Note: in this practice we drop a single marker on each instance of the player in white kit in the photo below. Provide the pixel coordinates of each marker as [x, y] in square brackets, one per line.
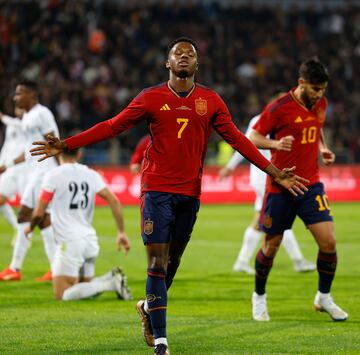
[252, 234]
[71, 188]
[12, 181]
[36, 123]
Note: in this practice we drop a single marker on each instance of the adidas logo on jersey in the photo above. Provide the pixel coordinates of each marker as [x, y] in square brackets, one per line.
[165, 108]
[298, 120]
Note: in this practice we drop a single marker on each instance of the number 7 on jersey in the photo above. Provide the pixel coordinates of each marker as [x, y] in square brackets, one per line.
[184, 122]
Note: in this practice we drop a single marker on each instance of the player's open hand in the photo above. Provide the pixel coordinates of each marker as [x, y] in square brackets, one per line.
[123, 242]
[293, 183]
[2, 169]
[49, 148]
[328, 157]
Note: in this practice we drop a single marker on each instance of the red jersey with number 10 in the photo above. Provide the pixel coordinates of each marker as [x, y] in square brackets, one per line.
[287, 116]
[180, 128]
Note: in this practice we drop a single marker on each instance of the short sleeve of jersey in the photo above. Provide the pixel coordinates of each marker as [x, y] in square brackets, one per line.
[49, 182]
[266, 123]
[47, 122]
[98, 181]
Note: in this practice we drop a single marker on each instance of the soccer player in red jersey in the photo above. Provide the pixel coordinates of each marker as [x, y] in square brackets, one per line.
[299, 114]
[138, 155]
[180, 115]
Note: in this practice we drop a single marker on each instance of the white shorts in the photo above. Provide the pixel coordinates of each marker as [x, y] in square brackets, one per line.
[13, 181]
[74, 255]
[32, 191]
[259, 192]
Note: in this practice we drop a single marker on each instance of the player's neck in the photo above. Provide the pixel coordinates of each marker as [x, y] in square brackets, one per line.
[297, 94]
[31, 105]
[181, 84]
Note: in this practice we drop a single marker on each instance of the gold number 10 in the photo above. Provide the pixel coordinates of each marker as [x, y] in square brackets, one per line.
[308, 135]
[323, 202]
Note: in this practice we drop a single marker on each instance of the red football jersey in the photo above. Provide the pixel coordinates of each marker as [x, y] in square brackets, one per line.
[179, 129]
[287, 116]
[138, 154]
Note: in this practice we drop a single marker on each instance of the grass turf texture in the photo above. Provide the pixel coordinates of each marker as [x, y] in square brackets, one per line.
[209, 308]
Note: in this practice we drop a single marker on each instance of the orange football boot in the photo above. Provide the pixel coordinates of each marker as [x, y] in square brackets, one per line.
[10, 275]
[46, 277]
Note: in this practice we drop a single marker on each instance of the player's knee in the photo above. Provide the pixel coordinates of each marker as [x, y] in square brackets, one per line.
[60, 295]
[328, 246]
[271, 247]
[159, 263]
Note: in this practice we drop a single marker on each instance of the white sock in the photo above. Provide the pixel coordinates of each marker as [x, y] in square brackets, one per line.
[21, 247]
[161, 341]
[88, 289]
[47, 234]
[291, 245]
[105, 277]
[9, 215]
[250, 241]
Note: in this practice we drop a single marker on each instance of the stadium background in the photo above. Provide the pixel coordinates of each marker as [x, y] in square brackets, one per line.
[92, 57]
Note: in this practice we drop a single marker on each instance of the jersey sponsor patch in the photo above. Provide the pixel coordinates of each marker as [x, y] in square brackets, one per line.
[201, 106]
[184, 108]
[148, 226]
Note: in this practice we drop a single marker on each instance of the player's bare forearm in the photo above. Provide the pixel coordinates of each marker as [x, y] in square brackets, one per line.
[261, 141]
[35, 221]
[287, 179]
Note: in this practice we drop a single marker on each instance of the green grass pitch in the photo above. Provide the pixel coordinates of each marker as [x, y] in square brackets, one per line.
[209, 309]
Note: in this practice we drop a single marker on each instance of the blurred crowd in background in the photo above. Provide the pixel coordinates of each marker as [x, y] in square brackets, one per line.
[90, 58]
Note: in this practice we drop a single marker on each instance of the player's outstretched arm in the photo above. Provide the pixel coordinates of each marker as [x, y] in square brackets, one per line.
[287, 179]
[49, 148]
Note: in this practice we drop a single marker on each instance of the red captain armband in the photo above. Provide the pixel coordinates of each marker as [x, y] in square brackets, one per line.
[46, 196]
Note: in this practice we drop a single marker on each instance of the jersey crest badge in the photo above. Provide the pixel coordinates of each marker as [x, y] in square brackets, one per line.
[148, 227]
[267, 221]
[298, 119]
[201, 106]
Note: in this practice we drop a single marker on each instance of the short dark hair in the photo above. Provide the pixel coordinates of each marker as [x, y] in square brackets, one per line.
[181, 39]
[313, 71]
[30, 85]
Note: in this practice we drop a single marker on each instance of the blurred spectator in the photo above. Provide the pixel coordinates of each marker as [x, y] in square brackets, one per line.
[92, 57]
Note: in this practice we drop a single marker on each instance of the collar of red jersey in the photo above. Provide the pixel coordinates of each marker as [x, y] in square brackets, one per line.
[177, 95]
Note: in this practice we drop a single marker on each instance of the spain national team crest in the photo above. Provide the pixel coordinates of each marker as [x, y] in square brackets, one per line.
[148, 227]
[201, 106]
[267, 221]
